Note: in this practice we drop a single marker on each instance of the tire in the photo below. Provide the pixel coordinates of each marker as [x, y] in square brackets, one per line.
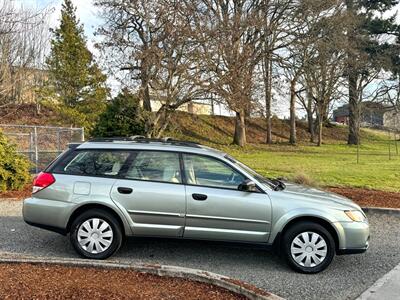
[308, 247]
[96, 234]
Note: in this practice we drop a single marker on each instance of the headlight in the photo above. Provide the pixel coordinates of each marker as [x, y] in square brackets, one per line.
[355, 215]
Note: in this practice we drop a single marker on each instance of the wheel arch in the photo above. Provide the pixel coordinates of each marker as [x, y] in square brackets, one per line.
[327, 224]
[89, 206]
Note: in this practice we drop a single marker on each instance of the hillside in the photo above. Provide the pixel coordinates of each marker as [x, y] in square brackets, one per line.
[26, 114]
[217, 130]
[220, 129]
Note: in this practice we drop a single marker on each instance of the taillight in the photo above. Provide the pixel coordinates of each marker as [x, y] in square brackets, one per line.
[42, 181]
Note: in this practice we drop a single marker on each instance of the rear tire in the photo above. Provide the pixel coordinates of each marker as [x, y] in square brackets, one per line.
[308, 247]
[96, 234]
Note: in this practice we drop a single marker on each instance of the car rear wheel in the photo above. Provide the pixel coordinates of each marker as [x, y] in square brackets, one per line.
[308, 247]
[96, 234]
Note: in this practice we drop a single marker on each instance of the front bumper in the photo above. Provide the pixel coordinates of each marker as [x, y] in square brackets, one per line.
[47, 214]
[353, 237]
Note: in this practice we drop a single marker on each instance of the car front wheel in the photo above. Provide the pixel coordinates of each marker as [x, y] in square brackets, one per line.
[308, 247]
[96, 234]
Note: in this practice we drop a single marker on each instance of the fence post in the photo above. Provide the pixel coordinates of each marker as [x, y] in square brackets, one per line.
[58, 141]
[31, 146]
[36, 149]
[82, 134]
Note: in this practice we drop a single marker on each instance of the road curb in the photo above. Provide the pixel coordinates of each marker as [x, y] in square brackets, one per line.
[370, 292]
[382, 210]
[233, 285]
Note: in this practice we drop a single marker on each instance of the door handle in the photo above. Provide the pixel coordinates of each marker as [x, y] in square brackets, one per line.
[199, 197]
[124, 190]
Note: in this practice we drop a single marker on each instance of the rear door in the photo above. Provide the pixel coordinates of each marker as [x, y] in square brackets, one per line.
[152, 192]
[216, 209]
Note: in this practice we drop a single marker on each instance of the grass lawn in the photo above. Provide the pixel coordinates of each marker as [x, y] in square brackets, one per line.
[331, 165]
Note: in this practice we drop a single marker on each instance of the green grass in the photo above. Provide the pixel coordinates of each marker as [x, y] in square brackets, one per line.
[332, 164]
[329, 165]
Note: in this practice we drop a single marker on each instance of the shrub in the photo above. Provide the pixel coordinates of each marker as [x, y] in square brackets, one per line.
[121, 117]
[303, 179]
[14, 168]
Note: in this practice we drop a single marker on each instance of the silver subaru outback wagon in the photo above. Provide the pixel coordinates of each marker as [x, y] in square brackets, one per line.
[103, 190]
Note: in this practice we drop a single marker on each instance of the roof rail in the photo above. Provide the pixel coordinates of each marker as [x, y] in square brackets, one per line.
[143, 139]
[136, 137]
[73, 145]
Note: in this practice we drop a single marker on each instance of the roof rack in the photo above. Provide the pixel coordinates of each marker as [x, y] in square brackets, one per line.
[143, 139]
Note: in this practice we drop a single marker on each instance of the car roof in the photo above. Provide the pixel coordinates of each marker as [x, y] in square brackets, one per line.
[156, 145]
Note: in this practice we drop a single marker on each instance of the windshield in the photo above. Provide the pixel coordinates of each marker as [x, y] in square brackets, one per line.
[267, 182]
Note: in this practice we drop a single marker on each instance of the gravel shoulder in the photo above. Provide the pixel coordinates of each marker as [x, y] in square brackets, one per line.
[10, 208]
[346, 278]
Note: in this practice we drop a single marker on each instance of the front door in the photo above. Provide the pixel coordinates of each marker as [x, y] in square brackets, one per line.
[216, 209]
[153, 194]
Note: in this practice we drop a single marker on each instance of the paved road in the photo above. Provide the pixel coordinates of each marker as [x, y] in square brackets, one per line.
[346, 278]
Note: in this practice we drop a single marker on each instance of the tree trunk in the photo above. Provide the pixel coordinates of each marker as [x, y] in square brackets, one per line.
[310, 119]
[319, 143]
[292, 138]
[268, 97]
[354, 111]
[354, 105]
[319, 124]
[144, 92]
[240, 130]
[152, 123]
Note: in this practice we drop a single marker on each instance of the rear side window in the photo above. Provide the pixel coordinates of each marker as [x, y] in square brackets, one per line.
[155, 166]
[93, 163]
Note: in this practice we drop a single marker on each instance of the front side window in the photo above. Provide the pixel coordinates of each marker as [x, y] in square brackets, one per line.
[93, 163]
[207, 171]
[155, 166]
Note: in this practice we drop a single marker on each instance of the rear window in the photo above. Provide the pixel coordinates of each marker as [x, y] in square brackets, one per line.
[155, 166]
[93, 163]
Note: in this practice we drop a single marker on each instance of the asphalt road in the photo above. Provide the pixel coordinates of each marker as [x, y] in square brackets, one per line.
[346, 278]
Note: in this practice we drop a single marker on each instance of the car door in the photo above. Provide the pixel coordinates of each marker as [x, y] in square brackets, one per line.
[216, 209]
[151, 191]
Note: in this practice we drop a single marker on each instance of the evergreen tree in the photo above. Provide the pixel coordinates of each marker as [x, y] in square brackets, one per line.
[75, 80]
[366, 53]
[121, 117]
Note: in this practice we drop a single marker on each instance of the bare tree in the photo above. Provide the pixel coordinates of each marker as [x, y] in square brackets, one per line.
[278, 27]
[23, 42]
[229, 37]
[148, 40]
[323, 58]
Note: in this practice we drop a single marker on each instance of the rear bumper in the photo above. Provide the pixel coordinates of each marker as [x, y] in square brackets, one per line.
[47, 214]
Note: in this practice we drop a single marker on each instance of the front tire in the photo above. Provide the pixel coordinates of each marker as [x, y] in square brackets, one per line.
[96, 234]
[308, 247]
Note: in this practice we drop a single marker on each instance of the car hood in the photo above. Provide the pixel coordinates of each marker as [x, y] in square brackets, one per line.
[319, 196]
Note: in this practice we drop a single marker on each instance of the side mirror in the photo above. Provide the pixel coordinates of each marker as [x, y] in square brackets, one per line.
[247, 186]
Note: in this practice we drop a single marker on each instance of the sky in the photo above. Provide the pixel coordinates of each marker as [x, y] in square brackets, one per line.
[88, 14]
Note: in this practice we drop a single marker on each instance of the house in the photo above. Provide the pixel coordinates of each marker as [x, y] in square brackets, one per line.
[391, 119]
[198, 108]
[19, 84]
[372, 114]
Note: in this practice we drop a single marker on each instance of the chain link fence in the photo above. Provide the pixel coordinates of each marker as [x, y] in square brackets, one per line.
[41, 144]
